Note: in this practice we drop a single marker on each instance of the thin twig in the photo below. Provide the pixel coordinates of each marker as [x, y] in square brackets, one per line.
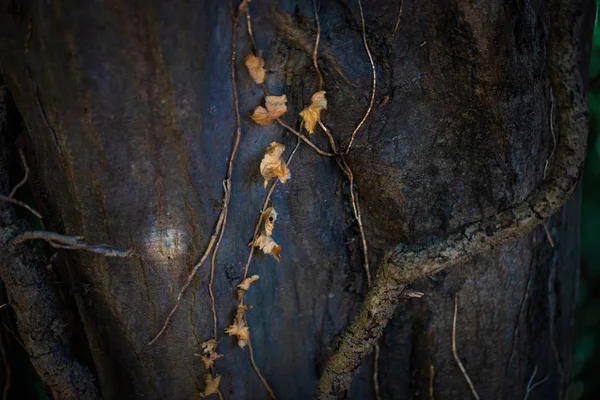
[20, 203]
[26, 167]
[521, 309]
[297, 37]
[213, 259]
[249, 27]
[431, 380]
[531, 385]
[551, 316]
[398, 19]
[354, 199]
[260, 376]
[376, 373]
[4, 305]
[211, 243]
[219, 394]
[304, 138]
[374, 84]
[460, 364]
[316, 49]
[357, 215]
[329, 136]
[227, 181]
[548, 235]
[71, 242]
[553, 134]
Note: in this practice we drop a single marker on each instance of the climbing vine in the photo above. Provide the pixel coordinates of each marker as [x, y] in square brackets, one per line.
[404, 264]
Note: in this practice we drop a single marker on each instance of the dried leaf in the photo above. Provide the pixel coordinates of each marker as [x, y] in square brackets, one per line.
[211, 385]
[268, 245]
[312, 113]
[255, 67]
[243, 6]
[272, 165]
[275, 108]
[245, 285]
[209, 353]
[269, 216]
[239, 328]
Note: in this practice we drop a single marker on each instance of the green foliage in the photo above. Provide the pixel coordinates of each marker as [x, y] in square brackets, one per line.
[586, 352]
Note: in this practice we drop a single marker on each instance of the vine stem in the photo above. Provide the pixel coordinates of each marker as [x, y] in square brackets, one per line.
[316, 48]
[374, 83]
[217, 235]
[455, 354]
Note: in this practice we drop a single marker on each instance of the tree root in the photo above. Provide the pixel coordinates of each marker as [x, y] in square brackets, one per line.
[405, 264]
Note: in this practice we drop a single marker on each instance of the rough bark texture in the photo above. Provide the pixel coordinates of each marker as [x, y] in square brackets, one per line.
[42, 323]
[130, 118]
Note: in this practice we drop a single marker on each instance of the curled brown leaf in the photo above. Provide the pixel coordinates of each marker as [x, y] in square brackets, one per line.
[239, 328]
[255, 67]
[274, 108]
[245, 285]
[269, 216]
[272, 165]
[209, 353]
[312, 113]
[268, 245]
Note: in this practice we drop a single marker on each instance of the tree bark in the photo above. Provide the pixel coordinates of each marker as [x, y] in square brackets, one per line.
[130, 122]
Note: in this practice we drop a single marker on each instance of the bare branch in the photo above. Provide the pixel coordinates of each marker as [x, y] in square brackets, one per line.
[71, 242]
[20, 203]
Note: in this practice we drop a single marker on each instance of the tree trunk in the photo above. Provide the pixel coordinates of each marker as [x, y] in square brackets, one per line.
[130, 120]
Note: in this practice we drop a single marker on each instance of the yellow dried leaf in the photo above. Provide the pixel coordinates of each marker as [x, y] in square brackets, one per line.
[268, 245]
[312, 113]
[269, 216]
[275, 108]
[211, 385]
[243, 7]
[209, 353]
[272, 165]
[255, 67]
[239, 328]
[245, 285]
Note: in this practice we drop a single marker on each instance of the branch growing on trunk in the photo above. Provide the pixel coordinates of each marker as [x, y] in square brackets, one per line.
[404, 264]
[36, 305]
